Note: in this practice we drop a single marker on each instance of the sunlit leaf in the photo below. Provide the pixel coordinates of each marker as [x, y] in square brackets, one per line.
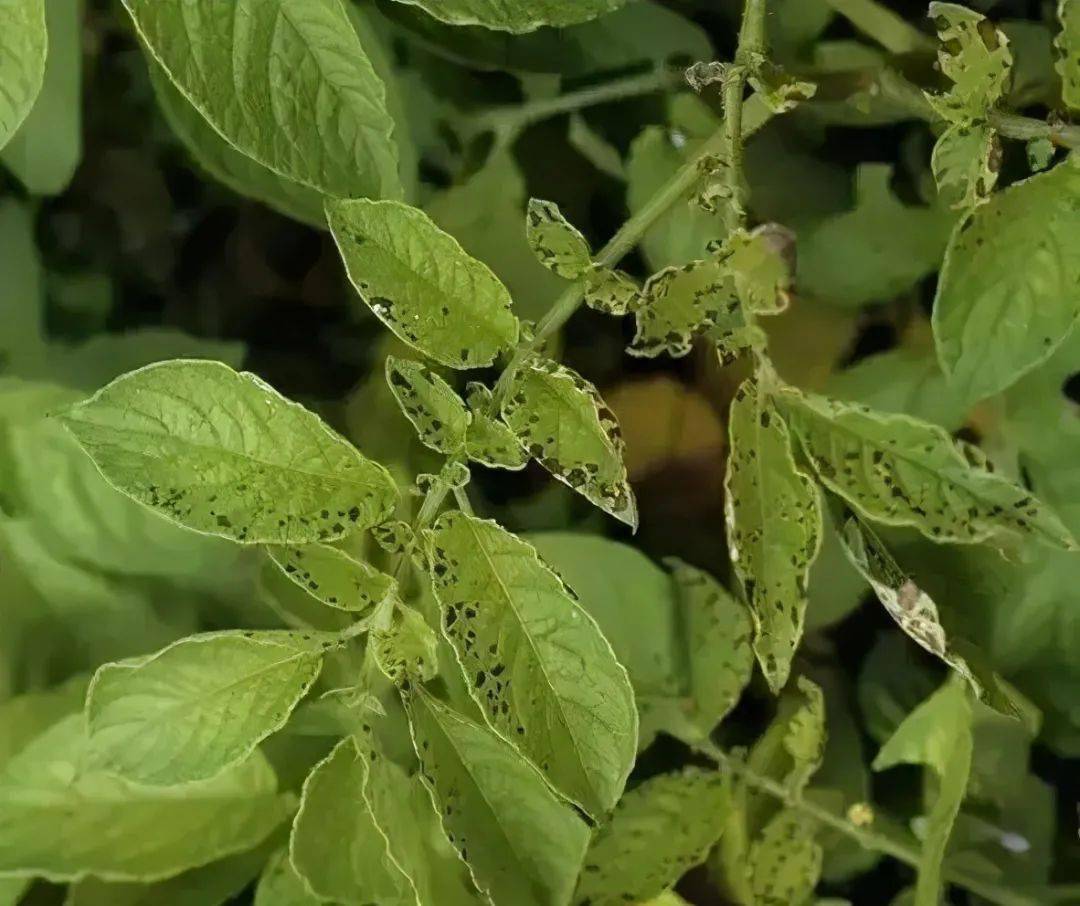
[489, 440]
[975, 57]
[434, 408]
[557, 244]
[332, 576]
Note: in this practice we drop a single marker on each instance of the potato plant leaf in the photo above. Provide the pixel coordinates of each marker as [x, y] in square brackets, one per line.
[280, 885]
[975, 57]
[761, 264]
[199, 706]
[805, 735]
[421, 283]
[522, 844]
[245, 66]
[611, 291]
[432, 405]
[489, 440]
[23, 43]
[785, 860]
[966, 161]
[515, 15]
[333, 577]
[406, 650]
[557, 244]
[1067, 44]
[773, 522]
[1009, 291]
[223, 453]
[564, 424]
[537, 664]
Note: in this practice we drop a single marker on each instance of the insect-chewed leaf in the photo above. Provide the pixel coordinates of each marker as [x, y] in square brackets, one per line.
[901, 471]
[521, 843]
[610, 291]
[543, 674]
[718, 631]
[516, 15]
[489, 440]
[336, 846]
[394, 537]
[1068, 47]
[244, 65]
[62, 820]
[659, 831]
[432, 405]
[422, 284]
[557, 243]
[223, 453]
[406, 650]
[1009, 291]
[680, 303]
[22, 61]
[198, 706]
[762, 266]
[564, 424]
[966, 161]
[330, 575]
[804, 738]
[975, 56]
[785, 860]
[773, 525]
[780, 90]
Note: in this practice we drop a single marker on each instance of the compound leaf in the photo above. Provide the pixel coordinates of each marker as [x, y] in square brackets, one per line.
[785, 860]
[975, 57]
[537, 664]
[515, 15]
[557, 244]
[521, 843]
[773, 526]
[223, 453]
[23, 42]
[489, 440]
[1009, 291]
[198, 706]
[563, 423]
[286, 83]
[432, 405]
[421, 283]
[330, 575]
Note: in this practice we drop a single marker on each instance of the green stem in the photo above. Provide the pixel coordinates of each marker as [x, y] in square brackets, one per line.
[434, 498]
[892, 32]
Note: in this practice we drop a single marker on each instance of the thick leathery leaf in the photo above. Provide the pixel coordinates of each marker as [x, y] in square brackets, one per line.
[332, 576]
[23, 43]
[285, 82]
[516, 15]
[564, 424]
[557, 244]
[421, 283]
[1068, 47]
[966, 161]
[198, 706]
[762, 265]
[63, 821]
[900, 471]
[521, 843]
[489, 440]
[432, 405]
[785, 860]
[223, 453]
[774, 528]
[537, 664]
[1009, 291]
[658, 831]
[975, 57]
[610, 291]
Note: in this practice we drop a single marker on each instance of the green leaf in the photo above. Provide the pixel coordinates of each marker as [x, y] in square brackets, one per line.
[966, 161]
[336, 847]
[434, 408]
[515, 15]
[223, 453]
[26, 716]
[659, 831]
[899, 471]
[610, 291]
[681, 303]
[975, 56]
[199, 706]
[774, 527]
[489, 441]
[406, 649]
[761, 263]
[422, 284]
[537, 664]
[246, 66]
[563, 423]
[938, 734]
[522, 844]
[1067, 43]
[1009, 291]
[23, 42]
[785, 860]
[333, 577]
[280, 885]
[557, 244]
[63, 821]
[46, 149]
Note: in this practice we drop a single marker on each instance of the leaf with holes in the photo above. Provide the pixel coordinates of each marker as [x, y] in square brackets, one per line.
[332, 576]
[489, 440]
[23, 44]
[975, 57]
[761, 263]
[966, 161]
[432, 405]
[557, 244]
[406, 649]
[537, 664]
[610, 291]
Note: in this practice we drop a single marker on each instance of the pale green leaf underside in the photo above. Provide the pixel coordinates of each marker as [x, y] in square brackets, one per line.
[61, 821]
[1009, 291]
[489, 440]
[421, 283]
[285, 82]
[760, 263]
[23, 43]
[536, 663]
[564, 424]
[515, 15]
[198, 706]
[432, 405]
[223, 453]
[557, 244]
[773, 526]
[521, 843]
[900, 471]
[785, 861]
[1068, 45]
[658, 831]
[332, 576]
